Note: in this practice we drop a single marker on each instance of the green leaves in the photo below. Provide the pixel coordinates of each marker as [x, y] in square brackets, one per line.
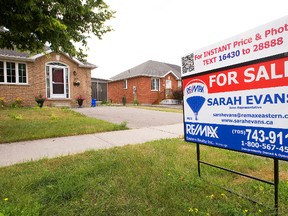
[30, 25]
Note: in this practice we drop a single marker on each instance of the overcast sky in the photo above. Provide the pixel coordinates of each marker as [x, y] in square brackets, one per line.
[166, 30]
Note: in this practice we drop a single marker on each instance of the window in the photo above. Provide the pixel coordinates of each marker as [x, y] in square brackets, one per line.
[179, 83]
[22, 73]
[11, 72]
[125, 86]
[155, 84]
[11, 75]
[1, 71]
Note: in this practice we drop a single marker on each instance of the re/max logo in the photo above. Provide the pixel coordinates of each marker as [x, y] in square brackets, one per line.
[195, 88]
[200, 130]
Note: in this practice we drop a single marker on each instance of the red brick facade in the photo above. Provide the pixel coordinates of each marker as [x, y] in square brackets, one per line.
[36, 84]
[144, 94]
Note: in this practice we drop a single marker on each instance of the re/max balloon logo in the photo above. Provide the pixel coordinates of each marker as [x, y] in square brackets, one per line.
[195, 94]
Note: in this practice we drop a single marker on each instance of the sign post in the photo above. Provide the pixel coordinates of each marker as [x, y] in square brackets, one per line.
[235, 94]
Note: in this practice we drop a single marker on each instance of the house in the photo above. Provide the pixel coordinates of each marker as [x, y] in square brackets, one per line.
[99, 89]
[58, 77]
[148, 83]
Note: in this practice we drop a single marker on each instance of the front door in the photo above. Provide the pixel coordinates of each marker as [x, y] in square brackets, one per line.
[168, 88]
[58, 83]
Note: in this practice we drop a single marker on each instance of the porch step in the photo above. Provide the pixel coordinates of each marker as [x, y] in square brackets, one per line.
[169, 102]
[61, 104]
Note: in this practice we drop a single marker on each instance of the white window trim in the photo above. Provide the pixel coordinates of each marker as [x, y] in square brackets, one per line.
[125, 86]
[156, 90]
[179, 83]
[16, 73]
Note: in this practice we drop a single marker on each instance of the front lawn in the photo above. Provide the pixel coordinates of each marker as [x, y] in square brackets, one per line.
[21, 124]
[155, 178]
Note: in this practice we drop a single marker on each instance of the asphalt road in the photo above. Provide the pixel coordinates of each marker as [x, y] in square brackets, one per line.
[135, 118]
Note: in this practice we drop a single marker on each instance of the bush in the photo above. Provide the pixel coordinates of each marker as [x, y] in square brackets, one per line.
[178, 95]
[105, 102]
[136, 102]
[17, 102]
[124, 101]
[2, 102]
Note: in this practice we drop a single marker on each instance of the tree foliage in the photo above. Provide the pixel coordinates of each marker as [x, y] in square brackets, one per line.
[30, 25]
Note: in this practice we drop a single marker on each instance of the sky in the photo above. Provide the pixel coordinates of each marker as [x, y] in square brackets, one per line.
[166, 30]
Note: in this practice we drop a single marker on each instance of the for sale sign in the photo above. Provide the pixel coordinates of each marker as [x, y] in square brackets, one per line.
[264, 41]
[242, 108]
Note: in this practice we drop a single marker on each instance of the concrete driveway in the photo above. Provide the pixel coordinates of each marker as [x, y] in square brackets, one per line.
[135, 117]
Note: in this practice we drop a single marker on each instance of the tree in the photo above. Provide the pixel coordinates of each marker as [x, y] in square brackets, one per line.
[30, 25]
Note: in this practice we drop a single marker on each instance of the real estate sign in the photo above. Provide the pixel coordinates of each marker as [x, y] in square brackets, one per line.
[236, 92]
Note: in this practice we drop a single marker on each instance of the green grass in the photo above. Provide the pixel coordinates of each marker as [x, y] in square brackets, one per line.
[155, 178]
[34, 123]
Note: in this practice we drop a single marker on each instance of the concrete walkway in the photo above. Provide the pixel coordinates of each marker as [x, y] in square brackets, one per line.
[13, 153]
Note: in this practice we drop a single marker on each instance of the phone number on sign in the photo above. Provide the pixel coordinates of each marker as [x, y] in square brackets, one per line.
[264, 146]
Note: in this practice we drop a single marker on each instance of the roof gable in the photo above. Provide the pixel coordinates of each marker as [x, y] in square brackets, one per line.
[151, 69]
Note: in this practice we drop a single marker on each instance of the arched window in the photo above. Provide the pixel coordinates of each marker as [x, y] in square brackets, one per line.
[57, 80]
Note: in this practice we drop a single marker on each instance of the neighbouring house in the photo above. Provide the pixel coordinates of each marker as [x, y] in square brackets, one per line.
[148, 83]
[56, 76]
[99, 89]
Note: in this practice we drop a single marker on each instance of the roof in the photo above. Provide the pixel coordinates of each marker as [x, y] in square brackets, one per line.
[28, 57]
[95, 79]
[151, 69]
[14, 53]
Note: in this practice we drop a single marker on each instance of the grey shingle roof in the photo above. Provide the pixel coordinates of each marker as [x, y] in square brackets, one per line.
[14, 53]
[151, 69]
[27, 56]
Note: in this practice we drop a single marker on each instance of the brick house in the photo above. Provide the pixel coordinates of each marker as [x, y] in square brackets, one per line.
[59, 77]
[148, 83]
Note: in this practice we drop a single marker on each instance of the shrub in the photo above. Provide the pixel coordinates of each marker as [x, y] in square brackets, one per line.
[17, 102]
[136, 102]
[2, 102]
[105, 102]
[178, 95]
[124, 101]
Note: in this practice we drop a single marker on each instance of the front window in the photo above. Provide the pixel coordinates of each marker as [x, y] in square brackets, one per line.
[179, 83]
[57, 80]
[12, 72]
[155, 84]
[11, 75]
[22, 73]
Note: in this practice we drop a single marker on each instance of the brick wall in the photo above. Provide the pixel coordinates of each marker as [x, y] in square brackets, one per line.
[144, 95]
[37, 83]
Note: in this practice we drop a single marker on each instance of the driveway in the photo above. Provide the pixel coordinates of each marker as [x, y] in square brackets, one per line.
[135, 117]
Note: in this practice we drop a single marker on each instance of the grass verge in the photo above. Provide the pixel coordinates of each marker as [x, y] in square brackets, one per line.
[155, 178]
[34, 123]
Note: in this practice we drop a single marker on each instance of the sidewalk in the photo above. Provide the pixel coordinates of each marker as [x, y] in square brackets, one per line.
[48, 148]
